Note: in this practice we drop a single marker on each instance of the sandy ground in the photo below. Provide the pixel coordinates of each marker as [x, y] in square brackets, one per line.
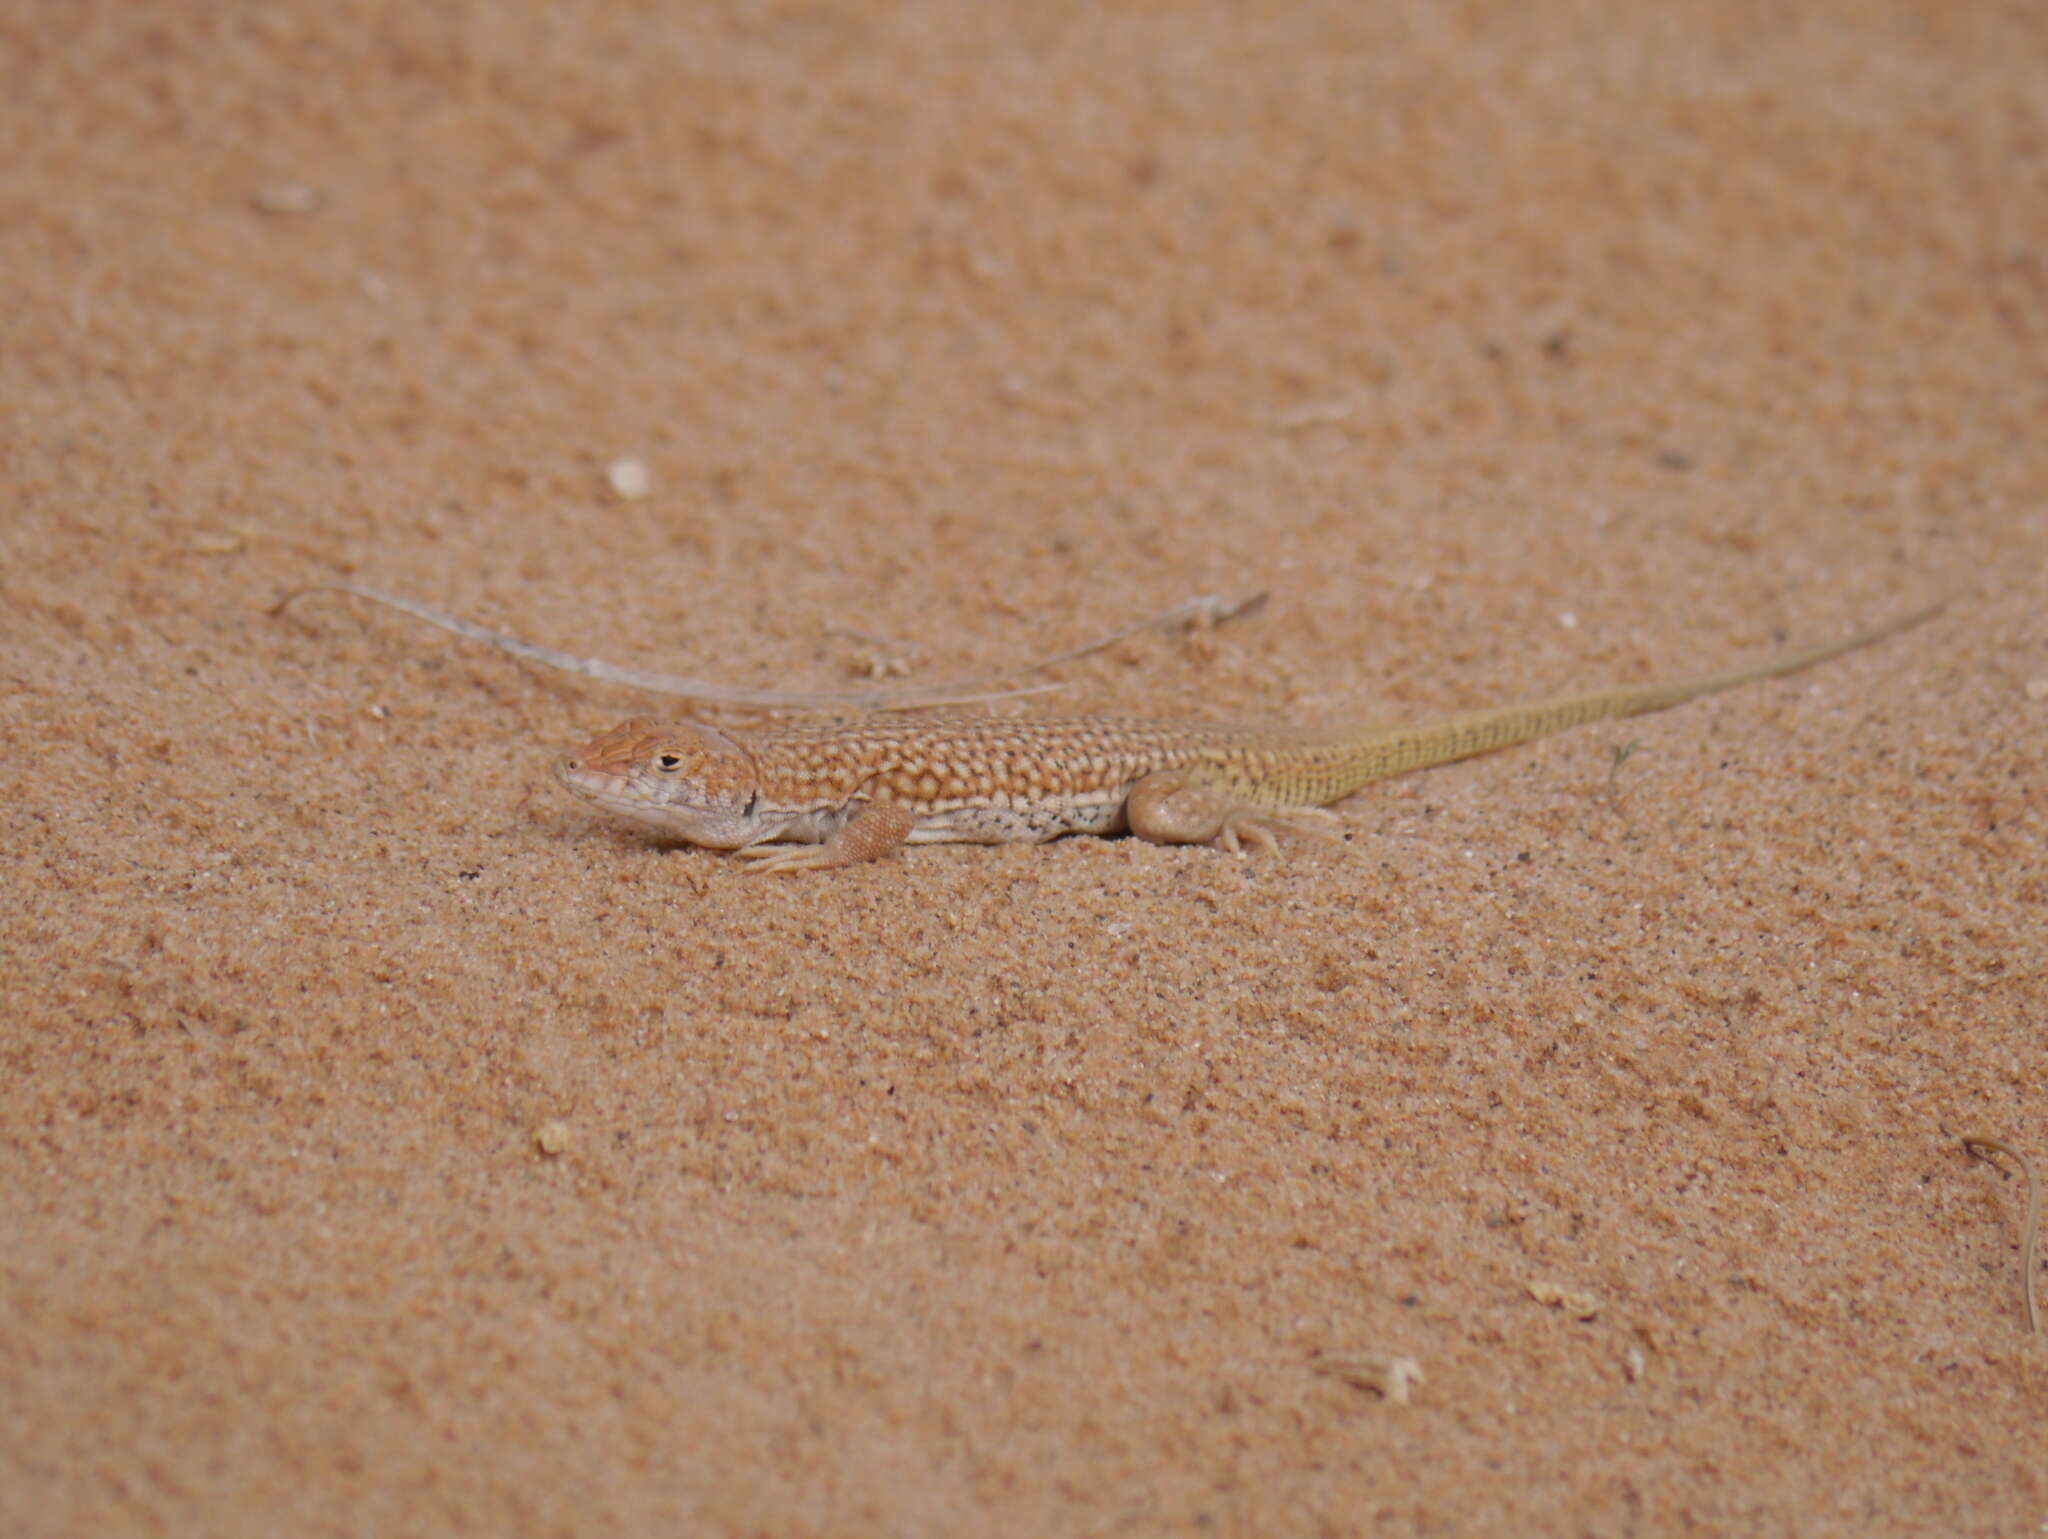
[1510, 348]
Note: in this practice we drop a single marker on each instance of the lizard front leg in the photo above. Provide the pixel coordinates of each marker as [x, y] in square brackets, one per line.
[869, 834]
[1178, 806]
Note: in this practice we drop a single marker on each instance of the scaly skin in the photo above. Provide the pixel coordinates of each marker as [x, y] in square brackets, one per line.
[811, 797]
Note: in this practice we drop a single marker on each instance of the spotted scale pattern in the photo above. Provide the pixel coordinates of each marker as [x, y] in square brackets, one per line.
[951, 764]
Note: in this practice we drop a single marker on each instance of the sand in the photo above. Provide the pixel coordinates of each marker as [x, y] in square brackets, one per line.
[391, 1145]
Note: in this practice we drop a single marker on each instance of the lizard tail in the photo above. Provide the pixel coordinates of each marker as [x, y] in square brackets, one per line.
[1356, 760]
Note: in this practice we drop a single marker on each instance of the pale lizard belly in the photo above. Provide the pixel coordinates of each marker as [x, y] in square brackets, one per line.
[1017, 823]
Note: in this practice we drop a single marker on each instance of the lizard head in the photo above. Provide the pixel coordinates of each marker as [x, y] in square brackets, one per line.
[686, 779]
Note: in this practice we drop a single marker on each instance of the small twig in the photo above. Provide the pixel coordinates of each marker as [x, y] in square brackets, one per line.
[666, 683]
[1385, 1374]
[1205, 608]
[2030, 1229]
[1209, 609]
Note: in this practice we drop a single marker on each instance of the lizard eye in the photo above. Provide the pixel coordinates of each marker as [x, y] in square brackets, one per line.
[668, 763]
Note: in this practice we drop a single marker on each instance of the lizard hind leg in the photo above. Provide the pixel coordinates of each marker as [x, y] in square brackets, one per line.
[1179, 807]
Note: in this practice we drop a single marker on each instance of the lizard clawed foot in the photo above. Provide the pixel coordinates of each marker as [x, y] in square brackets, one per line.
[871, 833]
[761, 858]
[1256, 826]
[1178, 807]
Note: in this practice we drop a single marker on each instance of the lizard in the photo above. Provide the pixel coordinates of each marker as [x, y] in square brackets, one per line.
[807, 797]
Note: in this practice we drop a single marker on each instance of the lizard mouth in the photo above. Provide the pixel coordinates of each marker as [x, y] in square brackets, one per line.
[593, 783]
[577, 776]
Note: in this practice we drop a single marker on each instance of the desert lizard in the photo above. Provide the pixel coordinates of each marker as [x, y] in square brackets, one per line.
[798, 798]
